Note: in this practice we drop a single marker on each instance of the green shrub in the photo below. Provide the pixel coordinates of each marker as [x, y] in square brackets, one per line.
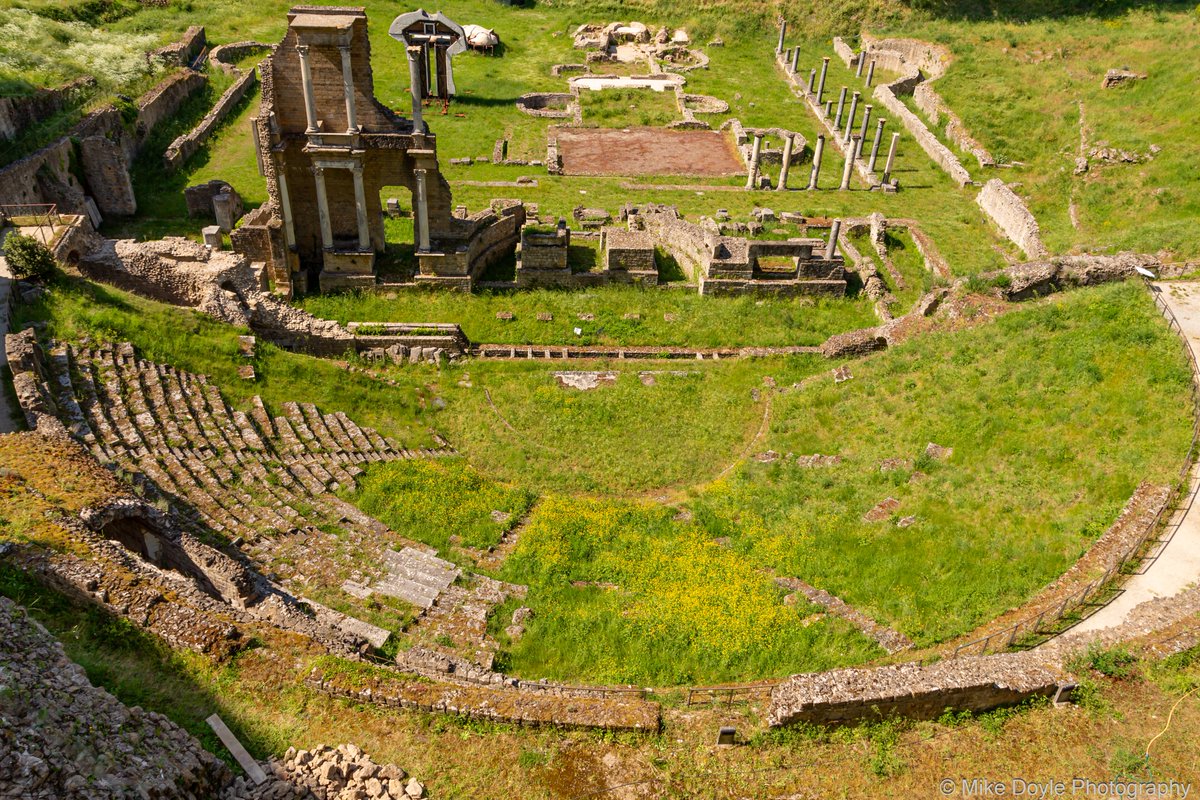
[28, 258]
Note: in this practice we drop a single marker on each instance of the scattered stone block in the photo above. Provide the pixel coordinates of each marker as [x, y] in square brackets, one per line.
[246, 346]
[545, 316]
[937, 452]
[1120, 77]
[587, 317]
[584, 380]
[670, 317]
[768, 457]
[506, 316]
[842, 374]
[882, 510]
[893, 464]
[246, 372]
[906, 522]
[393, 207]
[212, 236]
[632, 316]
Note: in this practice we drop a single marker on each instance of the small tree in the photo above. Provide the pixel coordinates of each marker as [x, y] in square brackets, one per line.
[28, 259]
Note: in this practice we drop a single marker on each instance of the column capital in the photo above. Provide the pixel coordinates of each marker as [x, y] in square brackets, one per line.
[302, 49]
[356, 167]
[317, 170]
[345, 48]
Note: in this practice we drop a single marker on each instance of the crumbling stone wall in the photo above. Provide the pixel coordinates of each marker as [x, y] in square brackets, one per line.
[1009, 212]
[106, 168]
[186, 50]
[18, 114]
[61, 737]
[886, 95]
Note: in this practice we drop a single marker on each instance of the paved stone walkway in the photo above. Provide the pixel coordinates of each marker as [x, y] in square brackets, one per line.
[1178, 565]
[8, 414]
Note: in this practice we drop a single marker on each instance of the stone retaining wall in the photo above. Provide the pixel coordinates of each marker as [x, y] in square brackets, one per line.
[185, 51]
[1005, 208]
[1120, 543]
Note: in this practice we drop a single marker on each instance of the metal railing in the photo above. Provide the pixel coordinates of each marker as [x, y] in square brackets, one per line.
[43, 216]
[1007, 636]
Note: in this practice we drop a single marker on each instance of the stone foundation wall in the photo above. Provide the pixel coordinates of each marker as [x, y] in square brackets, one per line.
[844, 51]
[1005, 208]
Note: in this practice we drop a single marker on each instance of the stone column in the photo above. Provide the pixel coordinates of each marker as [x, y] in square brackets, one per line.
[285, 204]
[795, 60]
[787, 162]
[348, 88]
[821, 82]
[835, 229]
[862, 131]
[891, 159]
[849, 166]
[752, 178]
[360, 208]
[816, 167]
[875, 145]
[422, 209]
[812, 79]
[415, 54]
[870, 72]
[862, 56]
[323, 208]
[850, 121]
[310, 101]
[837, 120]
[828, 108]
[782, 34]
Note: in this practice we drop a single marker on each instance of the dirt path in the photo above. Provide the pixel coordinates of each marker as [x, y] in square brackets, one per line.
[1178, 564]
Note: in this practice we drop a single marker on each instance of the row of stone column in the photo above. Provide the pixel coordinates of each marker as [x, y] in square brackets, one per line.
[853, 151]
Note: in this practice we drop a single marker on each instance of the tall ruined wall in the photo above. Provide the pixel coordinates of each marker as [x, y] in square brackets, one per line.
[186, 50]
[690, 245]
[1004, 207]
[106, 169]
[55, 173]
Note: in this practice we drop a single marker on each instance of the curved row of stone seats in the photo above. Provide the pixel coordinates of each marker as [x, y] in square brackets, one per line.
[242, 475]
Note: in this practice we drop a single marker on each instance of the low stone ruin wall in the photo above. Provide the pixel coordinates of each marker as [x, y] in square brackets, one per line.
[226, 56]
[1037, 278]
[164, 100]
[929, 58]
[932, 104]
[395, 690]
[185, 146]
[844, 51]
[184, 52]
[1011, 215]
[886, 95]
[914, 691]
[62, 737]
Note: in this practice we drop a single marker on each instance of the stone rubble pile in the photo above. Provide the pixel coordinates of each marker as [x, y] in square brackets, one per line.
[344, 772]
